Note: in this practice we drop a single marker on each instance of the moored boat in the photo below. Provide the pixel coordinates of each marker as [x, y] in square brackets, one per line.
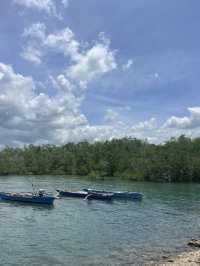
[118, 194]
[85, 194]
[99, 196]
[40, 197]
[73, 194]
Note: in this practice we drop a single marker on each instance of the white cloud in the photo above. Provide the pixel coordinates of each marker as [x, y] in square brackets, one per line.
[111, 116]
[32, 51]
[145, 125]
[127, 65]
[64, 42]
[39, 43]
[186, 122]
[65, 3]
[92, 64]
[36, 31]
[32, 54]
[63, 83]
[84, 66]
[30, 117]
[47, 6]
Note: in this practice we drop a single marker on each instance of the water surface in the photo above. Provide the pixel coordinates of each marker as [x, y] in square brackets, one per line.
[77, 232]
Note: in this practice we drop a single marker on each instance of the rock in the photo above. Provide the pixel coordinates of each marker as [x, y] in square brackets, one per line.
[194, 243]
[170, 260]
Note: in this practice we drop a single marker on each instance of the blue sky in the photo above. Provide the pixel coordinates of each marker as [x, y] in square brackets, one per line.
[94, 70]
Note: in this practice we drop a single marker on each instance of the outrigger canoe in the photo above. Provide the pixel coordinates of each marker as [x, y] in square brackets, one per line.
[40, 197]
[118, 194]
[73, 194]
[85, 194]
[99, 196]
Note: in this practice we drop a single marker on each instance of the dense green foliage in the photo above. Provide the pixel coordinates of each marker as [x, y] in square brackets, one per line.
[175, 161]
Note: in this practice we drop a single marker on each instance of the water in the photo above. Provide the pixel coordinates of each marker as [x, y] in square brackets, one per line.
[77, 232]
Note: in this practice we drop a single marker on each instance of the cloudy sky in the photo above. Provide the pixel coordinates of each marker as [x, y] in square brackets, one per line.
[74, 70]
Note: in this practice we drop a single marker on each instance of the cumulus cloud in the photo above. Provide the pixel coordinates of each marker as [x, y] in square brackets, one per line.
[30, 116]
[113, 119]
[47, 6]
[32, 54]
[92, 64]
[32, 51]
[145, 125]
[111, 116]
[63, 41]
[27, 116]
[186, 122]
[84, 65]
[36, 31]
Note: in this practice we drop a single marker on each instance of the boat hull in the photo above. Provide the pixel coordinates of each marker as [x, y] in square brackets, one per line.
[128, 195]
[119, 194]
[85, 195]
[78, 194]
[100, 196]
[29, 198]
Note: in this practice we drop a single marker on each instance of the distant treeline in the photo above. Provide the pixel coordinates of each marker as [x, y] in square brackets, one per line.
[178, 160]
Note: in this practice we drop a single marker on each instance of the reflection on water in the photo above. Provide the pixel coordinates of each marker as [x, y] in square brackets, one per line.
[24, 205]
[80, 232]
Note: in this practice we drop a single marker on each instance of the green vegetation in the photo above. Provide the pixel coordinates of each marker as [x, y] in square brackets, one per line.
[178, 160]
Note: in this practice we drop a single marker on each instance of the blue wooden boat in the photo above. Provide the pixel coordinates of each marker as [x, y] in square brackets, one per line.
[73, 194]
[119, 194]
[40, 197]
[99, 196]
[85, 194]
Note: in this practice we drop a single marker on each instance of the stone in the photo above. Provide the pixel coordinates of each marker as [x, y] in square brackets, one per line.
[194, 243]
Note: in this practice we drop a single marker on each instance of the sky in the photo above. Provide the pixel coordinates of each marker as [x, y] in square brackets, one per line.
[93, 70]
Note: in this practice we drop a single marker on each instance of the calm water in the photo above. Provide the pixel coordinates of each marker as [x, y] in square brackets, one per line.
[75, 232]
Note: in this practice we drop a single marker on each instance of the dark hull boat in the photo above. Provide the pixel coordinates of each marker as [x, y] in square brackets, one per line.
[27, 197]
[77, 194]
[86, 195]
[99, 196]
[119, 194]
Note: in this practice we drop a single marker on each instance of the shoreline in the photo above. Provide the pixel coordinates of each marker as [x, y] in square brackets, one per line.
[189, 256]
[99, 178]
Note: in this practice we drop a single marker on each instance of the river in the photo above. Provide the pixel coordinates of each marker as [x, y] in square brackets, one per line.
[78, 232]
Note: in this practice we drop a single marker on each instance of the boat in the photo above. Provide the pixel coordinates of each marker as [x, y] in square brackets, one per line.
[118, 194]
[73, 194]
[40, 197]
[85, 194]
[99, 196]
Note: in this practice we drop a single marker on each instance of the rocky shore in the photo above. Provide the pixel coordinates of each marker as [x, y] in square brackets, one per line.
[184, 259]
[191, 257]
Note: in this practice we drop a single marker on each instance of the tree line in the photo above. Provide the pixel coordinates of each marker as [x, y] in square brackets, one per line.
[177, 160]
